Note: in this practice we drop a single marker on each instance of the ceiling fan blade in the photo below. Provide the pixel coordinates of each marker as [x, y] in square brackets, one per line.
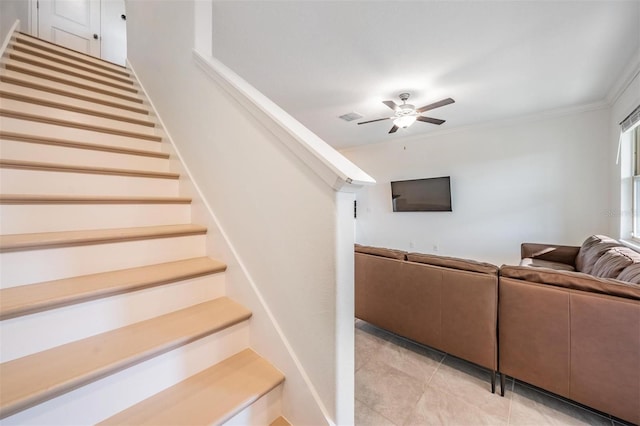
[391, 104]
[436, 105]
[373, 121]
[430, 120]
[394, 129]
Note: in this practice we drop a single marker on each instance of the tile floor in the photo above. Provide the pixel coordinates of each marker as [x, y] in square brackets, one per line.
[399, 382]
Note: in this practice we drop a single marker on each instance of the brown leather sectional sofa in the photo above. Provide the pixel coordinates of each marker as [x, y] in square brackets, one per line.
[569, 322]
[446, 303]
[567, 319]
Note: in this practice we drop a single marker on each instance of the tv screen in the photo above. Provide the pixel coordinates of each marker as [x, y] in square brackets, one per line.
[422, 195]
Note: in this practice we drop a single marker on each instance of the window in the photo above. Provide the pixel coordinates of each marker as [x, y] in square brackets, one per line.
[628, 215]
[635, 141]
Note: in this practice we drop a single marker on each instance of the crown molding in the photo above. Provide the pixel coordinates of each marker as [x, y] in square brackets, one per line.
[502, 122]
[626, 77]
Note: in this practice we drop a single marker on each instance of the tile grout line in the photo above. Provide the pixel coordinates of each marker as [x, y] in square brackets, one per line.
[436, 369]
[427, 384]
[367, 405]
[513, 385]
[377, 412]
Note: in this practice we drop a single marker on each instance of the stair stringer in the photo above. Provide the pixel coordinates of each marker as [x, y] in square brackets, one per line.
[5, 43]
[300, 402]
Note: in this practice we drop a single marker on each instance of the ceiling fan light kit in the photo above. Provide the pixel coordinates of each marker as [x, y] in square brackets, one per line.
[405, 121]
[407, 114]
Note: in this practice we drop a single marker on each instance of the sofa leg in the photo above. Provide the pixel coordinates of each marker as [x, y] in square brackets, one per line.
[493, 381]
[502, 385]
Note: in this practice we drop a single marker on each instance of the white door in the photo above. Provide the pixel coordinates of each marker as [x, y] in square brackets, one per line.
[71, 23]
[113, 23]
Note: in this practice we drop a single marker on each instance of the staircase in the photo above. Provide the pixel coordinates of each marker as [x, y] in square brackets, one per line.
[111, 312]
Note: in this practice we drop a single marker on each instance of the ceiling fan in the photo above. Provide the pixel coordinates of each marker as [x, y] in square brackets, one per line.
[407, 114]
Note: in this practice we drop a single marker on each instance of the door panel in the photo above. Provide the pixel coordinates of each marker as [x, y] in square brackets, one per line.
[114, 31]
[71, 23]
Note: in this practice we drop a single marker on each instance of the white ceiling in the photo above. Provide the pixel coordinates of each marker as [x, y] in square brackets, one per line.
[497, 59]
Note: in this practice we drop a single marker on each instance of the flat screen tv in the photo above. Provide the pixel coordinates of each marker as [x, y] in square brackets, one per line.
[422, 195]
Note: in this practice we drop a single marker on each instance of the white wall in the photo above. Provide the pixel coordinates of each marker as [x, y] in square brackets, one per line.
[10, 10]
[543, 179]
[285, 226]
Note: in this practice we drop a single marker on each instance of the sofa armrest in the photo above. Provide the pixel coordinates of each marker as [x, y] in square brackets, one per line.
[550, 252]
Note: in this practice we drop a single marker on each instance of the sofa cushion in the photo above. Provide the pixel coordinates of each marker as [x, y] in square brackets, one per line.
[613, 261]
[630, 274]
[454, 263]
[382, 252]
[591, 250]
[572, 280]
[539, 263]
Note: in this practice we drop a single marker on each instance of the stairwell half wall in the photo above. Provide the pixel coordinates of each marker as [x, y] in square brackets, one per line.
[287, 227]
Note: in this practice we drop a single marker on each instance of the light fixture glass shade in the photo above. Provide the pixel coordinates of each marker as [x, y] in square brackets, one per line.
[405, 121]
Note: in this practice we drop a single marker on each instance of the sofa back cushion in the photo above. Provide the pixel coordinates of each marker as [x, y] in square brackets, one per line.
[572, 280]
[453, 263]
[591, 250]
[630, 274]
[382, 252]
[614, 261]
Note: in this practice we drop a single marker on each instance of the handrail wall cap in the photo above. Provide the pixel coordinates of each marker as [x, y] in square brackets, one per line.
[347, 177]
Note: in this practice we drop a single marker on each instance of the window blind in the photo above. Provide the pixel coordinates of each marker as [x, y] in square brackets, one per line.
[630, 120]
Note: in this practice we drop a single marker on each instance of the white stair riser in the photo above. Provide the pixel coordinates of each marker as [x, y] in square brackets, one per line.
[75, 117]
[23, 219]
[262, 412]
[71, 102]
[24, 335]
[45, 130]
[97, 401]
[54, 75]
[33, 266]
[24, 151]
[27, 80]
[16, 181]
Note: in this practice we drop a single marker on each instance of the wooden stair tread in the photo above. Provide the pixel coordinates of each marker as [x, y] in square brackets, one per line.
[32, 298]
[54, 167]
[43, 118]
[88, 199]
[69, 53]
[34, 241]
[280, 421]
[18, 94]
[53, 65]
[36, 378]
[39, 83]
[209, 397]
[60, 77]
[24, 48]
[21, 137]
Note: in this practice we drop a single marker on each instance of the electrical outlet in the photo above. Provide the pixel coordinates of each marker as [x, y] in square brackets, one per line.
[436, 248]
